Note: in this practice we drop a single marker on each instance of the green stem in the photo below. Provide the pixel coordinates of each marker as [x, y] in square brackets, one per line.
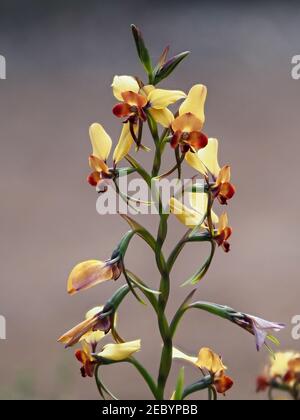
[166, 354]
[146, 375]
[205, 383]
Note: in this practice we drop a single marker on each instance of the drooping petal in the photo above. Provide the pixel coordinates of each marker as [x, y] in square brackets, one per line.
[261, 328]
[122, 110]
[124, 144]
[72, 336]
[134, 99]
[224, 175]
[194, 103]
[176, 139]
[209, 157]
[178, 354]
[226, 192]
[223, 383]
[122, 84]
[85, 358]
[118, 352]
[101, 141]
[194, 161]
[188, 217]
[197, 140]
[186, 123]
[94, 178]
[162, 98]
[162, 116]
[87, 274]
[209, 360]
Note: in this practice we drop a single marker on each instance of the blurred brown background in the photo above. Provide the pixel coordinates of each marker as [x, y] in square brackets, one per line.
[61, 58]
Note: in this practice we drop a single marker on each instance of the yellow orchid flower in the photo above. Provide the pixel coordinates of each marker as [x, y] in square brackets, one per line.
[136, 100]
[95, 322]
[206, 162]
[187, 127]
[101, 145]
[208, 360]
[92, 272]
[89, 344]
[194, 215]
[120, 351]
[88, 362]
[284, 369]
[224, 232]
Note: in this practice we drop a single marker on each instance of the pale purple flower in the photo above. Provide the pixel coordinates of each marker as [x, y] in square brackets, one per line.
[260, 328]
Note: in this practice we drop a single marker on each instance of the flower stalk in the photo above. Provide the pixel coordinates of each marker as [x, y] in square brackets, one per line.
[140, 105]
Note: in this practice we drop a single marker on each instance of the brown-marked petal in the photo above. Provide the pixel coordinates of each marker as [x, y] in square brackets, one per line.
[93, 179]
[187, 123]
[223, 383]
[197, 140]
[122, 110]
[87, 274]
[134, 99]
[98, 165]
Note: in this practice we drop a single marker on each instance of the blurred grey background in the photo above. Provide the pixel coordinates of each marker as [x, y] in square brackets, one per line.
[61, 57]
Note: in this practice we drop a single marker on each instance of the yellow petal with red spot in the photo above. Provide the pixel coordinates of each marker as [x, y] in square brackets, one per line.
[209, 157]
[122, 84]
[122, 351]
[87, 274]
[207, 359]
[194, 161]
[280, 363]
[187, 123]
[124, 144]
[224, 175]
[163, 117]
[161, 98]
[134, 99]
[101, 141]
[194, 103]
[223, 222]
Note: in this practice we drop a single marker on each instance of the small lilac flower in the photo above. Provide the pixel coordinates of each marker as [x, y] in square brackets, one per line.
[260, 328]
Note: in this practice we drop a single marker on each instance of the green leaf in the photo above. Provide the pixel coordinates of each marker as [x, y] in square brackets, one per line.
[137, 282]
[169, 67]
[140, 230]
[142, 50]
[179, 385]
